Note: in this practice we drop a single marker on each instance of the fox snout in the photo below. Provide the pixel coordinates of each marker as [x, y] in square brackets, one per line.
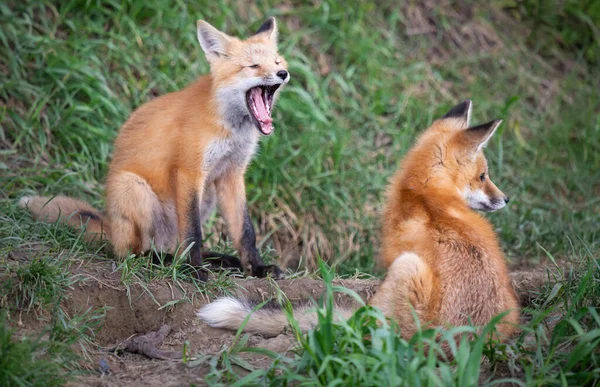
[497, 198]
[283, 74]
[487, 198]
[497, 203]
[280, 77]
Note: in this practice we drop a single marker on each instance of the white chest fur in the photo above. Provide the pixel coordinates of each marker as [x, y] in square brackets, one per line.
[234, 151]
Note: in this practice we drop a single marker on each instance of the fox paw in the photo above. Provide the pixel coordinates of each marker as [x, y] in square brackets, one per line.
[222, 261]
[200, 274]
[262, 271]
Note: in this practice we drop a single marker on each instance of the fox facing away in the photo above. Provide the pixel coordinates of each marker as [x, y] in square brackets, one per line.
[443, 259]
[179, 154]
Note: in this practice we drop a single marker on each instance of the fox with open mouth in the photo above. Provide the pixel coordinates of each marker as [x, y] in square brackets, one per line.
[181, 153]
[247, 75]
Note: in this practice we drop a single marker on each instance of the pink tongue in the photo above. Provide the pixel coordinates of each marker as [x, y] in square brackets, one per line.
[261, 108]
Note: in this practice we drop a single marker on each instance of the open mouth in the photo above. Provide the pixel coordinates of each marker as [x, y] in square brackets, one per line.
[260, 104]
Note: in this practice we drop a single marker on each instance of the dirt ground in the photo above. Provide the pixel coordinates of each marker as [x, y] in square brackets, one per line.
[140, 312]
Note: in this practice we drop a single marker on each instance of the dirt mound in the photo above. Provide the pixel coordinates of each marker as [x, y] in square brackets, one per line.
[137, 309]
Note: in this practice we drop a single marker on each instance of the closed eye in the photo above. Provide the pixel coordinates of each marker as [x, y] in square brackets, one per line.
[254, 66]
[277, 62]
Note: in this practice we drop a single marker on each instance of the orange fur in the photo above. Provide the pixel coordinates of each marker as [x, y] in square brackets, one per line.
[174, 150]
[75, 213]
[442, 257]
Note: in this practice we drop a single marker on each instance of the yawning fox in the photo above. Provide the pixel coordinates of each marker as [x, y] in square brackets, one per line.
[178, 154]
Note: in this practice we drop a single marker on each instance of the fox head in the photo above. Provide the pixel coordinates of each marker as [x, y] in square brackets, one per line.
[247, 74]
[449, 158]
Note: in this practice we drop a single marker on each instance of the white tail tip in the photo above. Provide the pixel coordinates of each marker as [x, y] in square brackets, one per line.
[221, 312]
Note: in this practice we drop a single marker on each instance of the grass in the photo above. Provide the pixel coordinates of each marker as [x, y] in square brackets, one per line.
[348, 116]
[559, 345]
[21, 365]
[365, 80]
[52, 356]
[142, 271]
[52, 353]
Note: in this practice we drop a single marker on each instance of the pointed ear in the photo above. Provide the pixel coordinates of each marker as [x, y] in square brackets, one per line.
[269, 28]
[213, 42]
[478, 136]
[461, 112]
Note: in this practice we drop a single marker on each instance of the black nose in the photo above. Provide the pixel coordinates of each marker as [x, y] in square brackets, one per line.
[282, 74]
[506, 199]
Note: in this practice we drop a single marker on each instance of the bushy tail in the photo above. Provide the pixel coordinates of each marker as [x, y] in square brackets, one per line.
[230, 313]
[73, 212]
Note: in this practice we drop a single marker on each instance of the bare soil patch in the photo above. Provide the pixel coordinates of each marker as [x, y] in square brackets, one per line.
[138, 310]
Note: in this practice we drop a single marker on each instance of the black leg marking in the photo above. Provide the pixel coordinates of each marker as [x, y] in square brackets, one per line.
[249, 250]
[216, 260]
[222, 260]
[159, 258]
[249, 241]
[195, 235]
[195, 231]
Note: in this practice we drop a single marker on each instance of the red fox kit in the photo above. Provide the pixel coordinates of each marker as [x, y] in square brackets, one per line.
[443, 258]
[180, 153]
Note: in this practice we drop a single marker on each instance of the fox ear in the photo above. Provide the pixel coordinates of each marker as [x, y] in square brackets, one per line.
[461, 112]
[478, 136]
[213, 42]
[269, 28]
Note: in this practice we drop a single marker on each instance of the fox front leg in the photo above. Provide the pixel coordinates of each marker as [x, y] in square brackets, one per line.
[250, 256]
[189, 192]
[231, 194]
[189, 216]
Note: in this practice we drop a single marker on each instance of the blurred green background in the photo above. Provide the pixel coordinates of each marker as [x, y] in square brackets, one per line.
[366, 78]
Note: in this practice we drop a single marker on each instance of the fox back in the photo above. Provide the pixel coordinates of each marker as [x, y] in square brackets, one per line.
[432, 233]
